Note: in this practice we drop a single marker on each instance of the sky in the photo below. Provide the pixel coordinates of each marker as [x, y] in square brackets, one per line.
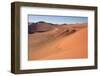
[57, 19]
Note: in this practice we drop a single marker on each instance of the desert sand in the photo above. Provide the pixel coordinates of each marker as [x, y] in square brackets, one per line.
[67, 41]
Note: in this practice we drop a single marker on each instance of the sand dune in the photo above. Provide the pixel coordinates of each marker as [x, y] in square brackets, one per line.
[61, 42]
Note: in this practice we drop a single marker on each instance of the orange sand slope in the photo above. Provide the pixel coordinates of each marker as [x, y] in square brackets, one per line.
[63, 42]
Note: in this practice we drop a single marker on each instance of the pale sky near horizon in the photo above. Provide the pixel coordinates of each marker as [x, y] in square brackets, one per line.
[57, 19]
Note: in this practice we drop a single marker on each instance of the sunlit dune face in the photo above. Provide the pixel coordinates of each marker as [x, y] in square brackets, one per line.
[51, 41]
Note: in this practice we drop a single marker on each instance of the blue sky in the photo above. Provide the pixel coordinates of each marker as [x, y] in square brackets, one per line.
[57, 19]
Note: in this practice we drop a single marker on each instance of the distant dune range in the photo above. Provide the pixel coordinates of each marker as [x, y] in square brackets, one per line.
[48, 41]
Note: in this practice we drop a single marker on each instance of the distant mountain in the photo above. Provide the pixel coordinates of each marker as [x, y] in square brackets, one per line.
[39, 27]
[42, 26]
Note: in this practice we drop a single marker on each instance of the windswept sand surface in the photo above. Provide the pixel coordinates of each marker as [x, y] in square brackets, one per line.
[61, 42]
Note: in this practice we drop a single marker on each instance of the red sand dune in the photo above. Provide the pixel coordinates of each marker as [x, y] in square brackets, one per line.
[61, 42]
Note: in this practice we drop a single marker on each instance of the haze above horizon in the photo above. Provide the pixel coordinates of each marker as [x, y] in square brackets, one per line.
[57, 19]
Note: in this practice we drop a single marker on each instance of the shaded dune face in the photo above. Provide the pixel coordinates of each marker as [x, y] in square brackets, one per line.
[52, 41]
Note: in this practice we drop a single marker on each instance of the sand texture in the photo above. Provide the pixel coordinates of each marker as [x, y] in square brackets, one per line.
[51, 41]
